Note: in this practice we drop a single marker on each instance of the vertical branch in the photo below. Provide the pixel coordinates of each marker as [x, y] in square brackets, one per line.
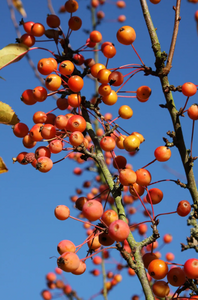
[178, 139]
[104, 278]
[174, 37]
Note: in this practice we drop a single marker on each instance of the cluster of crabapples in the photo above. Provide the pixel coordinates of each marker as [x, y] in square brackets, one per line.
[69, 128]
[65, 79]
[110, 230]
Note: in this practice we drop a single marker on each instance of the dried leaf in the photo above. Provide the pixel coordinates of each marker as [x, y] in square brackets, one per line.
[19, 6]
[7, 115]
[12, 53]
[3, 167]
[2, 78]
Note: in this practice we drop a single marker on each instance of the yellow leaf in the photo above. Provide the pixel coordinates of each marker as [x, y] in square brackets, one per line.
[19, 6]
[7, 115]
[12, 53]
[3, 167]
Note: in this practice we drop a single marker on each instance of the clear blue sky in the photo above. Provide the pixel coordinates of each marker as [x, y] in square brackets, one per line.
[29, 231]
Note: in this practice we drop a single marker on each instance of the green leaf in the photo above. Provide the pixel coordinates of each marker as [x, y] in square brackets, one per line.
[2, 78]
[7, 115]
[12, 53]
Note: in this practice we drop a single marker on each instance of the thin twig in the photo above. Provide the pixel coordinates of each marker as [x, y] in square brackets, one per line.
[174, 37]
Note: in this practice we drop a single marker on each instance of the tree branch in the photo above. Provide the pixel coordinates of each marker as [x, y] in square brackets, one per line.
[174, 37]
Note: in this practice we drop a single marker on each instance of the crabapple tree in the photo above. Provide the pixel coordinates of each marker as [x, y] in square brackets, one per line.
[119, 203]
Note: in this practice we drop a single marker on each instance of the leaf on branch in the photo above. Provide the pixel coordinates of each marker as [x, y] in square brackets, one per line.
[19, 6]
[3, 167]
[2, 78]
[12, 53]
[7, 115]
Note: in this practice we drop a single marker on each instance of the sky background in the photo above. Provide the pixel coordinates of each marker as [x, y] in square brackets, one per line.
[29, 231]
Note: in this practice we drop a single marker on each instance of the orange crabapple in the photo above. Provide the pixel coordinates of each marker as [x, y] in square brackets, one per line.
[109, 216]
[162, 153]
[45, 66]
[95, 272]
[76, 138]
[35, 132]
[103, 76]
[46, 295]
[176, 276]
[167, 238]
[53, 82]
[50, 276]
[155, 1]
[143, 177]
[42, 151]
[78, 59]
[191, 268]
[135, 189]
[37, 29]
[62, 103]
[27, 39]
[76, 123]
[81, 269]
[170, 256]
[147, 258]
[189, 89]
[44, 164]
[121, 4]
[121, 18]
[105, 239]
[66, 246]
[59, 284]
[74, 100]
[71, 6]
[53, 21]
[28, 97]
[60, 122]
[50, 118]
[68, 262]
[39, 117]
[96, 68]
[157, 269]
[127, 177]
[62, 212]
[27, 25]
[20, 130]
[161, 289]
[94, 3]
[183, 208]
[56, 146]
[193, 112]
[107, 143]
[109, 51]
[48, 131]
[28, 142]
[119, 230]
[119, 162]
[126, 35]
[104, 89]
[143, 93]
[66, 67]
[75, 23]
[100, 15]
[92, 210]
[125, 112]
[110, 99]
[120, 141]
[139, 135]
[93, 242]
[156, 196]
[39, 93]
[67, 289]
[131, 143]
[97, 260]
[142, 229]
[75, 83]
[95, 36]
[20, 158]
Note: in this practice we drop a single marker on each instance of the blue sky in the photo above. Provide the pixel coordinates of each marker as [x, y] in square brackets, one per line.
[29, 231]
